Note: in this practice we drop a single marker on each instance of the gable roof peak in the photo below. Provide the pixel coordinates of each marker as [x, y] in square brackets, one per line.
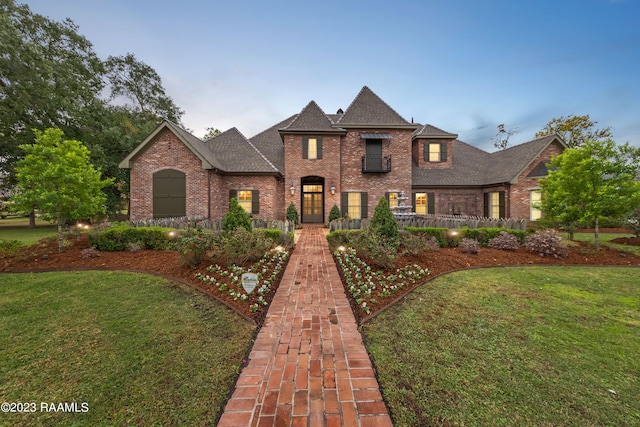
[310, 119]
[369, 110]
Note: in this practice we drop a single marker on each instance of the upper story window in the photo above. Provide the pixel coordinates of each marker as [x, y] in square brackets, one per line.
[435, 152]
[311, 148]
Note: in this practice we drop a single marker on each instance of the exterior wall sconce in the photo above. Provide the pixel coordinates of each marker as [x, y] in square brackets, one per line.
[292, 189]
[333, 189]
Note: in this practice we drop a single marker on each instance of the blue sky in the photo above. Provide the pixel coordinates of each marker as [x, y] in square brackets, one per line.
[462, 65]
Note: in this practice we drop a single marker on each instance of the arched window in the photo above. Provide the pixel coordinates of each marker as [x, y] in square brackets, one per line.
[169, 194]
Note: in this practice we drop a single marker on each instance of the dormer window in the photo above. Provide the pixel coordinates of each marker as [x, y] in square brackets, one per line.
[435, 152]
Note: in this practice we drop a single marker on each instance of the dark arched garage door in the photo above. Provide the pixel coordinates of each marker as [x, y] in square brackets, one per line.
[169, 191]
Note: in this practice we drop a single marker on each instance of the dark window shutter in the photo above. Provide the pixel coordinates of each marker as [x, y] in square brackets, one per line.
[305, 147]
[425, 150]
[364, 205]
[501, 203]
[431, 203]
[443, 152]
[319, 148]
[255, 202]
[344, 209]
[386, 196]
[486, 205]
[233, 194]
[413, 202]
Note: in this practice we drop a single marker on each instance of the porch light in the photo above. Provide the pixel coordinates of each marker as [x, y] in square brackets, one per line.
[333, 188]
[292, 189]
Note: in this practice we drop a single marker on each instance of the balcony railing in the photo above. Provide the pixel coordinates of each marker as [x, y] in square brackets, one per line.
[376, 164]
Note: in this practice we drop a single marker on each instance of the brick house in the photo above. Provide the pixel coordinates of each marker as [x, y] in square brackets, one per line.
[318, 160]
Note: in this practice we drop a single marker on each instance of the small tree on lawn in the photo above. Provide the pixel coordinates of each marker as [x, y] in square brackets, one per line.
[595, 180]
[292, 214]
[237, 217]
[384, 223]
[56, 177]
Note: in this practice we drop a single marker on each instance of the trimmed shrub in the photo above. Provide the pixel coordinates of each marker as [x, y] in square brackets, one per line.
[440, 234]
[342, 238]
[119, 237]
[376, 248]
[547, 243]
[504, 241]
[292, 214]
[484, 235]
[334, 213]
[469, 246]
[236, 217]
[414, 244]
[384, 223]
[241, 246]
[192, 250]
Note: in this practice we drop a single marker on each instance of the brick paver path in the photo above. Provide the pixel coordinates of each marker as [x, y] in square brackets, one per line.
[308, 366]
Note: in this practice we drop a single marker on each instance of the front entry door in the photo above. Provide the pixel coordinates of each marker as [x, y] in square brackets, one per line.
[312, 203]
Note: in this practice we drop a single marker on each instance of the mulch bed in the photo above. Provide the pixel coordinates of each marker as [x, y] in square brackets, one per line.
[45, 257]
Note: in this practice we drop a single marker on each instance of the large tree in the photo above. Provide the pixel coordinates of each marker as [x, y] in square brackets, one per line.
[139, 83]
[49, 75]
[575, 130]
[56, 177]
[596, 180]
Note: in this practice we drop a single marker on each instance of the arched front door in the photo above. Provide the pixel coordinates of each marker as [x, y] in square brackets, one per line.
[169, 194]
[312, 199]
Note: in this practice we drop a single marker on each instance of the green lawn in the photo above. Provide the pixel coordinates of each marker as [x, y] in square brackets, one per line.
[17, 229]
[605, 240]
[137, 349]
[537, 346]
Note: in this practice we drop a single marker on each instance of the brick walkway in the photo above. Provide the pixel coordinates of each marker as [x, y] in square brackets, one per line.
[308, 366]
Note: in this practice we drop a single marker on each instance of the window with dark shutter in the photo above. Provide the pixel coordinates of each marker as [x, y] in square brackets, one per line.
[311, 147]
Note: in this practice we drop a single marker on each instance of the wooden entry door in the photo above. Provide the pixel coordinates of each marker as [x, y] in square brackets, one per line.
[312, 203]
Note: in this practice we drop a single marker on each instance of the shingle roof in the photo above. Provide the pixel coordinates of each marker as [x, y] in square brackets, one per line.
[237, 154]
[269, 143]
[428, 131]
[311, 119]
[467, 168]
[369, 110]
[474, 167]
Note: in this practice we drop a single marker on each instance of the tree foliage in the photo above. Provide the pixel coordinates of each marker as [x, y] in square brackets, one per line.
[575, 130]
[596, 180]
[49, 75]
[57, 177]
[501, 140]
[136, 81]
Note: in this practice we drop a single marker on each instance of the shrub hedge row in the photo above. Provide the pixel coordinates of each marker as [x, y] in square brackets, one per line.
[118, 238]
[444, 236]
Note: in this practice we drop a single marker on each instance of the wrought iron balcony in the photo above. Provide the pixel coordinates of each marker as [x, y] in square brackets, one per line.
[376, 164]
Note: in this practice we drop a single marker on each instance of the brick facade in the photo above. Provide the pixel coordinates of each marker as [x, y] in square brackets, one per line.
[520, 192]
[167, 152]
[376, 184]
[230, 162]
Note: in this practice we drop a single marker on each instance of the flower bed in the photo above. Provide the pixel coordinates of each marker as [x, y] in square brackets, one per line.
[367, 286]
[229, 280]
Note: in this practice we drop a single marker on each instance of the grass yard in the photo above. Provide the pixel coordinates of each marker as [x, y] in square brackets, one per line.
[536, 346]
[605, 239]
[137, 349]
[18, 229]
